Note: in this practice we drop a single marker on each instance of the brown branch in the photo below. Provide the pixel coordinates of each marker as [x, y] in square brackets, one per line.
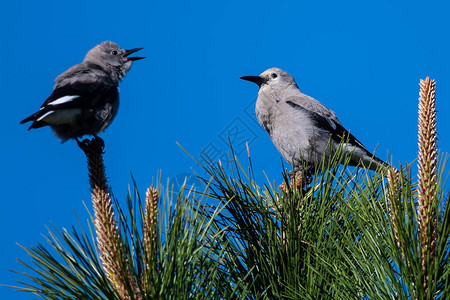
[109, 241]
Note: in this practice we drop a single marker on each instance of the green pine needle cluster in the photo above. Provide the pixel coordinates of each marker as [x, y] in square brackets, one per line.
[350, 233]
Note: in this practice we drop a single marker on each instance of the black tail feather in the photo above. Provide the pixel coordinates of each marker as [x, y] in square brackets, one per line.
[37, 124]
[30, 118]
[34, 117]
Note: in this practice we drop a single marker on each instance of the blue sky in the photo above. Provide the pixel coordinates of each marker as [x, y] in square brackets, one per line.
[362, 59]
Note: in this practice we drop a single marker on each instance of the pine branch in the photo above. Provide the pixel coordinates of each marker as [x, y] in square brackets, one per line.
[393, 198]
[109, 241]
[150, 237]
[427, 175]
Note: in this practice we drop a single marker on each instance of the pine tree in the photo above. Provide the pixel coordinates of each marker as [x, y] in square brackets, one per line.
[348, 234]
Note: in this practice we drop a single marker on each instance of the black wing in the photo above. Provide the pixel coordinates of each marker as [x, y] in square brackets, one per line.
[337, 132]
[91, 95]
[90, 91]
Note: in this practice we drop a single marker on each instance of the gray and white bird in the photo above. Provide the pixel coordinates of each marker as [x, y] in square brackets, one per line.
[85, 98]
[301, 128]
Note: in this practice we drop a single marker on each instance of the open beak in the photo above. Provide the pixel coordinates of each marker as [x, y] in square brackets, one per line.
[128, 52]
[256, 79]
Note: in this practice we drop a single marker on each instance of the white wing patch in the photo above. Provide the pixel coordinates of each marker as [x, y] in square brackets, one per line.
[59, 117]
[331, 122]
[62, 100]
[44, 115]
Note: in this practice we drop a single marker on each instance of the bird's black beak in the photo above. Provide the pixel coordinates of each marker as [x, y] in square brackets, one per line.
[128, 52]
[256, 79]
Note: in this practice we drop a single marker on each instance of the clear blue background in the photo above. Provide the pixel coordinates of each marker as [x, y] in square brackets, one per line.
[362, 59]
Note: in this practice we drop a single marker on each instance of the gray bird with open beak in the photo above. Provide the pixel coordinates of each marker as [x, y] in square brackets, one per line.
[85, 98]
[301, 128]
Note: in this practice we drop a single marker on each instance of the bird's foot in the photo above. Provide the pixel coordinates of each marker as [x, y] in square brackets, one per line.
[298, 180]
[82, 144]
[96, 143]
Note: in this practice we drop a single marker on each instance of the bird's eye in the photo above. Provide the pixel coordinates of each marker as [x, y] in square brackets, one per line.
[114, 52]
[274, 75]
